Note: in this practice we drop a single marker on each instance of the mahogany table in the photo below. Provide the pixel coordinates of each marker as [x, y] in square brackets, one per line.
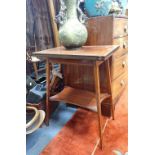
[87, 55]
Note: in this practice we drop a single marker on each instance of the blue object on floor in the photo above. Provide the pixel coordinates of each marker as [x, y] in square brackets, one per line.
[36, 141]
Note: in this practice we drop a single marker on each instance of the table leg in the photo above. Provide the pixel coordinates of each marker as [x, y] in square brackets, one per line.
[109, 86]
[97, 90]
[35, 70]
[47, 91]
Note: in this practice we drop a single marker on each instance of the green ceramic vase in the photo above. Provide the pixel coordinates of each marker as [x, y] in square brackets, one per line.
[72, 31]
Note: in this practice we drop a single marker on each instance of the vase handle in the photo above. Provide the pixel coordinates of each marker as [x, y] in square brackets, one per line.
[82, 16]
[61, 17]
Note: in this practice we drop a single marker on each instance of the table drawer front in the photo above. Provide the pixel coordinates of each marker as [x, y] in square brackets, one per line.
[119, 84]
[123, 42]
[120, 27]
[119, 66]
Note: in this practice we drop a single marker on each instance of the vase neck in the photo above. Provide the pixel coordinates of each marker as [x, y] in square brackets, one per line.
[71, 8]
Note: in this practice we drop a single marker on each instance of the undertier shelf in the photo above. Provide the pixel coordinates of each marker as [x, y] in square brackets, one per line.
[78, 97]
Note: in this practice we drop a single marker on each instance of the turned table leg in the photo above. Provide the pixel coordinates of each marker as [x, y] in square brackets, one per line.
[109, 87]
[97, 90]
[47, 91]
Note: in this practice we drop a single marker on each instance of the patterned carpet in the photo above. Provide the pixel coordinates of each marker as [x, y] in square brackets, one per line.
[80, 134]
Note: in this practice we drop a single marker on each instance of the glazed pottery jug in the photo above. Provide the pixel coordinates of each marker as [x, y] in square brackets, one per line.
[72, 31]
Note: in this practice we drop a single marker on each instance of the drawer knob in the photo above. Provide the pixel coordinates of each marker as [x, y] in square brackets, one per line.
[123, 64]
[124, 44]
[126, 29]
[122, 83]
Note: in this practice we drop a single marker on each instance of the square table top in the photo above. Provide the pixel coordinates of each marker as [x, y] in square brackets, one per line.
[84, 53]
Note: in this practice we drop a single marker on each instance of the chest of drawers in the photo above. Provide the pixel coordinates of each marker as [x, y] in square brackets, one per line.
[108, 30]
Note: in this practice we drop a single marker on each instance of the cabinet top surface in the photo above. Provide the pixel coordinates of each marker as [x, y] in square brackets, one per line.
[85, 52]
[109, 16]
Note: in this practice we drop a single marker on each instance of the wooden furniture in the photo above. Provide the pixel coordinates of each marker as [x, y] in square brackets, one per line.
[53, 23]
[108, 30]
[87, 56]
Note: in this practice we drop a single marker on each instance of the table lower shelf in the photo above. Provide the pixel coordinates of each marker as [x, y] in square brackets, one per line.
[78, 97]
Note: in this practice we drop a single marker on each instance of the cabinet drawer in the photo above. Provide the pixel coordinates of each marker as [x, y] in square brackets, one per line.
[120, 27]
[119, 84]
[123, 42]
[119, 66]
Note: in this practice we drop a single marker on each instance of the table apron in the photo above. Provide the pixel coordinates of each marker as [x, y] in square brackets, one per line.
[74, 61]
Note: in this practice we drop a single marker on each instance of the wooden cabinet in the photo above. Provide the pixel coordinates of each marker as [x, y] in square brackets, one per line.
[123, 42]
[108, 30]
[119, 66]
[120, 27]
[118, 85]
